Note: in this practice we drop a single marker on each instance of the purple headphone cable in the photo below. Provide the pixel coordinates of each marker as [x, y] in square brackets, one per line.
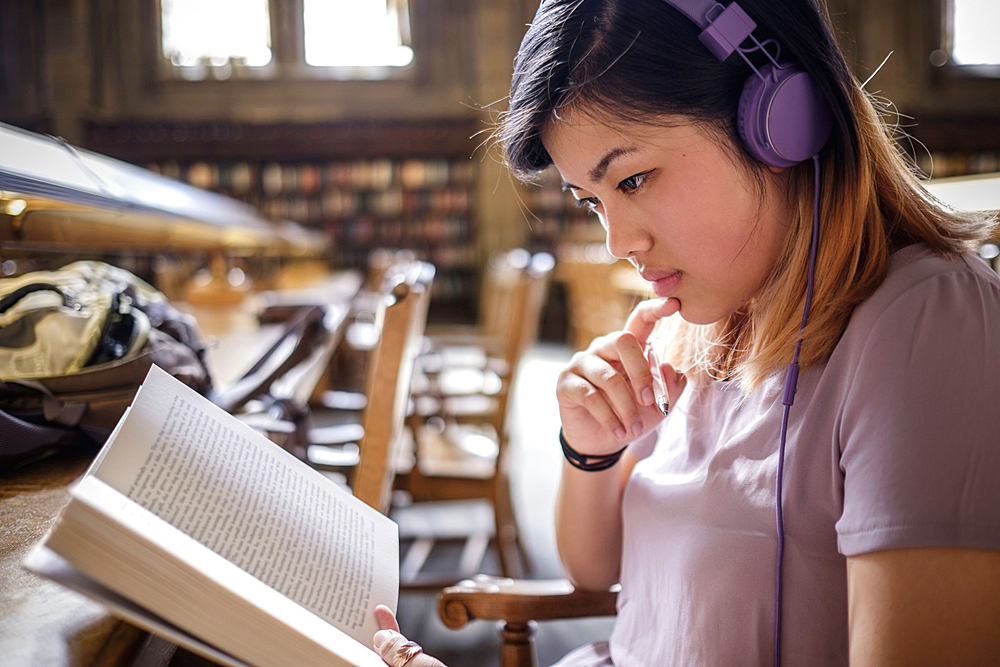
[787, 398]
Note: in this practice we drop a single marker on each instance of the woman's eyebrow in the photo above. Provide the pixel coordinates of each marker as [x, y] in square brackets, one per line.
[598, 172]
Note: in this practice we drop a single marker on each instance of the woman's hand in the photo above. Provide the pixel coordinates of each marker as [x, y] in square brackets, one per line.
[394, 647]
[606, 395]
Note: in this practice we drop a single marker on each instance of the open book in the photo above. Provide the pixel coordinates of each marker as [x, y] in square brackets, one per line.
[195, 527]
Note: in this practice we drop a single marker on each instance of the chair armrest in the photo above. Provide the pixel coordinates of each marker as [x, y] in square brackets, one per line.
[521, 601]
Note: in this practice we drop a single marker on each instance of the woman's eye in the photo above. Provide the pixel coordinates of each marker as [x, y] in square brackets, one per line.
[589, 203]
[632, 183]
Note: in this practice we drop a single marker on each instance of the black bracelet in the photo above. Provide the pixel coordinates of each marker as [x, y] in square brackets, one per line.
[589, 462]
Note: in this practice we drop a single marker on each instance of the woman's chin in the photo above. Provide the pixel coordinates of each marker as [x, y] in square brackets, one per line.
[699, 316]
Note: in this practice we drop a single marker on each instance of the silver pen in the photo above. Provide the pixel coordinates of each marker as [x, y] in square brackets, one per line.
[659, 384]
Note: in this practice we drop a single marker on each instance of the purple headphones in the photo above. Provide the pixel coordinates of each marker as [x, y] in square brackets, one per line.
[782, 118]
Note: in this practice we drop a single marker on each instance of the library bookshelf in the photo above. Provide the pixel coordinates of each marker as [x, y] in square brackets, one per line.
[365, 184]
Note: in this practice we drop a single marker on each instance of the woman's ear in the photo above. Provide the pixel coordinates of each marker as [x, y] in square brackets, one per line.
[776, 170]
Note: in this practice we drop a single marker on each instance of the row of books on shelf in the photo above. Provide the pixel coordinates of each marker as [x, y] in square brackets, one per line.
[366, 231]
[943, 164]
[551, 226]
[337, 203]
[275, 178]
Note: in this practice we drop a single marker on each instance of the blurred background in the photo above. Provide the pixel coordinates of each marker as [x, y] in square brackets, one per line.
[346, 135]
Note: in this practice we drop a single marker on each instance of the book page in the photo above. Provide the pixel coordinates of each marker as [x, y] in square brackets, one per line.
[228, 487]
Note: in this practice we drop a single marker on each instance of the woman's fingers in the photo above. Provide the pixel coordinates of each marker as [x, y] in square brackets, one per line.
[644, 374]
[667, 382]
[607, 394]
[385, 618]
[644, 316]
[394, 648]
[397, 651]
[600, 380]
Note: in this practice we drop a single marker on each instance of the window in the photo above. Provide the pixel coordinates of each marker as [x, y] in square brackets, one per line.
[974, 35]
[969, 43]
[359, 33]
[216, 33]
[340, 39]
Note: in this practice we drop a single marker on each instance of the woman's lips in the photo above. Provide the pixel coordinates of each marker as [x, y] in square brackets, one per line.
[664, 286]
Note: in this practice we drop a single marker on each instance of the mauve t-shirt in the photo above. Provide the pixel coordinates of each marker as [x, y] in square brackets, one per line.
[894, 442]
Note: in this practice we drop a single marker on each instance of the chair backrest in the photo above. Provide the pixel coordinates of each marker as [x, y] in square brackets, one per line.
[401, 318]
[381, 262]
[499, 296]
[535, 289]
[529, 303]
[526, 305]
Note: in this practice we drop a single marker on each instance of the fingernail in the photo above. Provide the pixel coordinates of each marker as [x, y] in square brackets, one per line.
[637, 427]
[380, 638]
[620, 432]
[647, 396]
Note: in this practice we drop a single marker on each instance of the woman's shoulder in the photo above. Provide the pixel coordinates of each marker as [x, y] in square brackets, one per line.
[920, 266]
[919, 277]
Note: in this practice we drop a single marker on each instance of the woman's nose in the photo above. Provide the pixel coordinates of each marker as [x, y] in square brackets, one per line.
[626, 235]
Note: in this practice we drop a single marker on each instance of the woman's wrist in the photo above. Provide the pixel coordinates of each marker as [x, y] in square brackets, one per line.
[589, 462]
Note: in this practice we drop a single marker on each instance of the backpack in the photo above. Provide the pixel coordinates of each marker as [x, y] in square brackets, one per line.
[75, 344]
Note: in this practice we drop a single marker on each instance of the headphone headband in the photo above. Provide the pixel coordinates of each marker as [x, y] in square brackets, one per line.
[783, 117]
[723, 28]
[696, 10]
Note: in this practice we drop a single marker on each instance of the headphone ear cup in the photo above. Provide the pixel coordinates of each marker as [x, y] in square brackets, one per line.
[782, 116]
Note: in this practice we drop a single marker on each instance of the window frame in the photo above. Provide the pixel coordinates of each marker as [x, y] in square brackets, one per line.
[940, 55]
[287, 53]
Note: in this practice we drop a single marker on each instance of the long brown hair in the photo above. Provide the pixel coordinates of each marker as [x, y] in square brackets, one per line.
[639, 60]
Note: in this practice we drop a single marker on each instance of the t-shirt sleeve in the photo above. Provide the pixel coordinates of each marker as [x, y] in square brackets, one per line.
[920, 427]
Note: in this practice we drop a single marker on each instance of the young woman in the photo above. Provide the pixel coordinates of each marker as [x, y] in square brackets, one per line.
[852, 517]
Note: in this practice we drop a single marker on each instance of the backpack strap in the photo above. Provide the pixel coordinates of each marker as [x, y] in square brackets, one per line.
[54, 409]
[301, 334]
[9, 300]
[22, 441]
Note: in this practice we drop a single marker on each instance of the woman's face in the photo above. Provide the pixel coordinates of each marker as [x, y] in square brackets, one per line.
[675, 203]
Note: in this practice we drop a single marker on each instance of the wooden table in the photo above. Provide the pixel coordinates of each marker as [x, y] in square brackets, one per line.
[237, 339]
[42, 623]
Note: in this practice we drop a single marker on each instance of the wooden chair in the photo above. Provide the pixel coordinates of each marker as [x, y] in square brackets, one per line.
[344, 386]
[463, 453]
[400, 320]
[490, 343]
[517, 606]
[466, 376]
